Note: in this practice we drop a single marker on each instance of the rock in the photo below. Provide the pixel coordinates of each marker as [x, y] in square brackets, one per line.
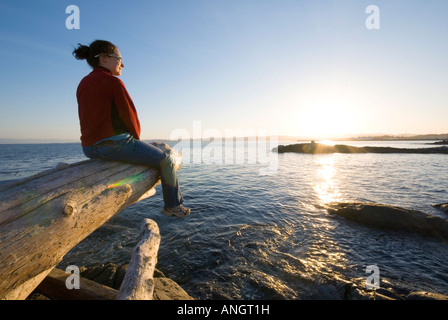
[392, 218]
[326, 292]
[270, 287]
[442, 207]
[387, 294]
[440, 142]
[423, 295]
[119, 276]
[167, 289]
[355, 289]
[317, 148]
[104, 274]
[158, 274]
[37, 296]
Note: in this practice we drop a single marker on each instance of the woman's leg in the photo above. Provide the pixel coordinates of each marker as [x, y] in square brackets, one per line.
[139, 152]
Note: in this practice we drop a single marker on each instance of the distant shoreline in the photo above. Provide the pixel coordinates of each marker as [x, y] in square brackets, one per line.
[36, 141]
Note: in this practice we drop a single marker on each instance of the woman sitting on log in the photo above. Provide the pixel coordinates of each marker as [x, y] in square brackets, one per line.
[110, 128]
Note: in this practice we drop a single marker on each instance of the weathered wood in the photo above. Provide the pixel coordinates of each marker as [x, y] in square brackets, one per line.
[45, 216]
[22, 291]
[138, 283]
[54, 287]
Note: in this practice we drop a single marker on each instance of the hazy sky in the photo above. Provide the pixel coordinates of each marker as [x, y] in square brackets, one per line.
[289, 67]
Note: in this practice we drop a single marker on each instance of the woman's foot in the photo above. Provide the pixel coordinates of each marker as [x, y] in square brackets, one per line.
[178, 212]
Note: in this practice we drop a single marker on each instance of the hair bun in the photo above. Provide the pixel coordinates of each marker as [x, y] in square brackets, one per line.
[82, 52]
[91, 52]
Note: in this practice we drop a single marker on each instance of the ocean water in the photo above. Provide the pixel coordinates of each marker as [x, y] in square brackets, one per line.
[258, 229]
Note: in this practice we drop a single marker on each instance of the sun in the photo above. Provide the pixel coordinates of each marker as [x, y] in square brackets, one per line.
[330, 117]
[326, 109]
[325, 121]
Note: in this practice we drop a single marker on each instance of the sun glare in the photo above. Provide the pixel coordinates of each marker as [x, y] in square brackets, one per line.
[327, 188]
[327, 142]
[328, 120]
[328, 112]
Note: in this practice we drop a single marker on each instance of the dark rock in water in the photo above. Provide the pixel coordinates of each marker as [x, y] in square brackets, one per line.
[440, 142]
[318, 148]
[392, 218]
[442, 207]
[108, 274]
[269, 287]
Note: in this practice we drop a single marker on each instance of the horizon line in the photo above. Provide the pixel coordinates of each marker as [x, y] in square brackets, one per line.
[382, 136]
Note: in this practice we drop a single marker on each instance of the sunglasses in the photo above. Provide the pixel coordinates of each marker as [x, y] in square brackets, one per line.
[111, 55]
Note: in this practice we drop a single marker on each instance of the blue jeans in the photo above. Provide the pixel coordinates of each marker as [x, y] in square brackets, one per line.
[135, 151]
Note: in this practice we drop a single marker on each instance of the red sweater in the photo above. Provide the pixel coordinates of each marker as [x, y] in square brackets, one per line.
[105, 107]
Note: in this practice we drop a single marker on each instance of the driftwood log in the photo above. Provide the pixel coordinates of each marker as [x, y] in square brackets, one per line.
[45, 216]
[138, 283]
[54, 287]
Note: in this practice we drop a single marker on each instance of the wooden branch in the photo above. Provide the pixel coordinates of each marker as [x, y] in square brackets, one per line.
[45, 216]
[22, 291]
[54, 287]
[138, 283]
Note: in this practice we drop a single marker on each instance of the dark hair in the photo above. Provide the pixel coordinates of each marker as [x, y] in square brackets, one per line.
[95, 48]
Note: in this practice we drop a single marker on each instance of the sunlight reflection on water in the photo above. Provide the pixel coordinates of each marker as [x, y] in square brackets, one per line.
[327, 184]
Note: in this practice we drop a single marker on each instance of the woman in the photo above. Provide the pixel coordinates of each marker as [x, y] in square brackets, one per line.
[110, 128]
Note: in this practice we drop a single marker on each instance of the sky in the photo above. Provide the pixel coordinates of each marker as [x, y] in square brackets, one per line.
[221, 67]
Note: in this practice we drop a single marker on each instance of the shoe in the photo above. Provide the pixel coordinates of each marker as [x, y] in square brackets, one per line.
[178, 212]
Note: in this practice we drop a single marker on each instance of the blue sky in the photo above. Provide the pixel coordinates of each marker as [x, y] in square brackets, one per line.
[288, 67]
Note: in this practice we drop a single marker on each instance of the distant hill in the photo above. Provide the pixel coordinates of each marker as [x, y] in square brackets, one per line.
[443, 136]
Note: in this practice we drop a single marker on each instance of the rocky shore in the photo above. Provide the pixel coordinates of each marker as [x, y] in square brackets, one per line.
[111, 275]
[355, 289]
